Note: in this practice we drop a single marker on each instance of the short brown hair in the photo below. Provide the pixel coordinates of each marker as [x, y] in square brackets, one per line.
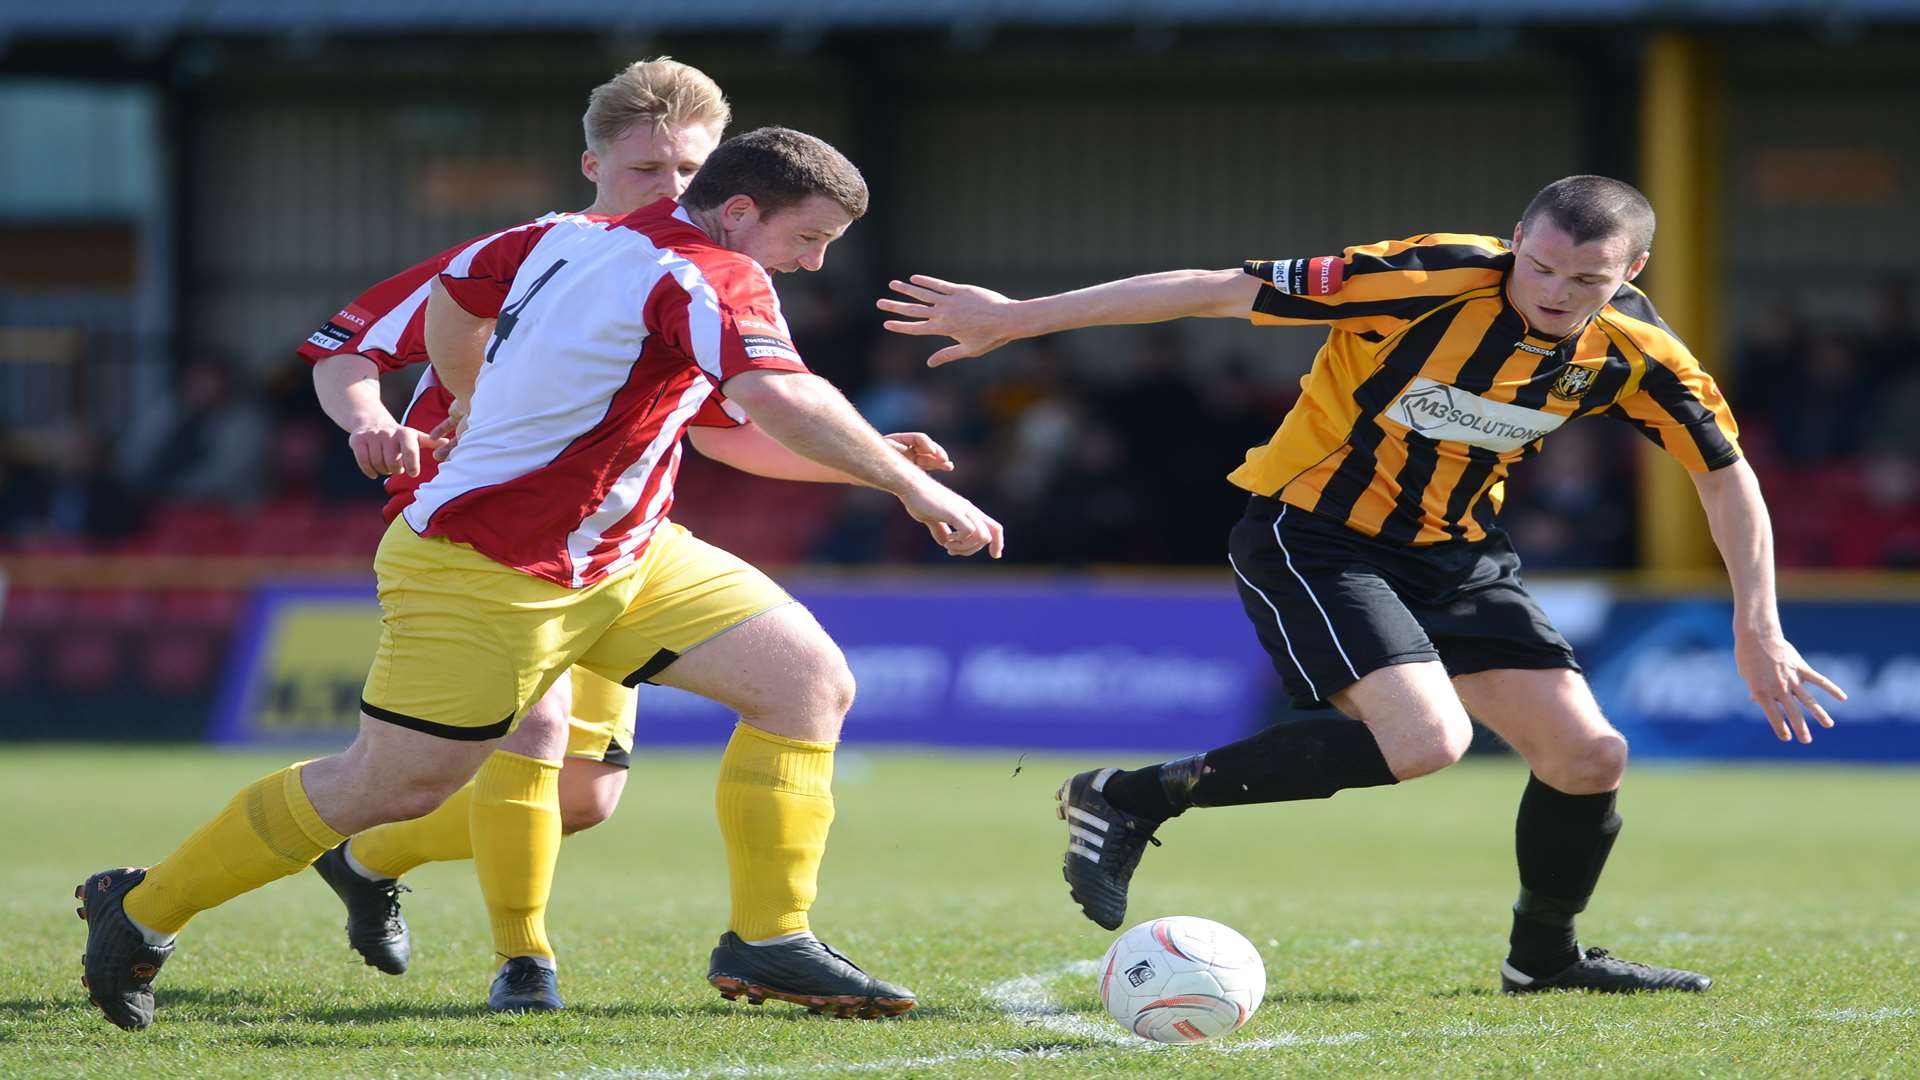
[662, 92]
[777, 168]
[1593, 208]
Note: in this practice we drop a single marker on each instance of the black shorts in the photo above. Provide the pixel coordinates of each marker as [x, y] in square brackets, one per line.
[1331, 604]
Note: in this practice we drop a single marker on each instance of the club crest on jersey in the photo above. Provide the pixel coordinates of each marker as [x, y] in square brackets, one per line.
[1573, 383]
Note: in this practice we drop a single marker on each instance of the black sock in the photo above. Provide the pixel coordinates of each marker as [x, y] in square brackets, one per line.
[1304, 759]
[1562, 842]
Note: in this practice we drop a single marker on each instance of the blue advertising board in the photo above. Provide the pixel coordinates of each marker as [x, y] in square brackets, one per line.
[1072, 662]
[1664, 671]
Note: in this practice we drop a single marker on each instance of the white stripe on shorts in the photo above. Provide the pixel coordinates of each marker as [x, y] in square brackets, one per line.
[1316, 600]
[1288, 641]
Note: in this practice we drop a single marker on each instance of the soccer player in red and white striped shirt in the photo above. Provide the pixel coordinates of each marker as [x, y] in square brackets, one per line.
[648, 131]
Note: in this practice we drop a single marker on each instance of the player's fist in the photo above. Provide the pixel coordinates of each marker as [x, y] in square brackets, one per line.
[386, 450]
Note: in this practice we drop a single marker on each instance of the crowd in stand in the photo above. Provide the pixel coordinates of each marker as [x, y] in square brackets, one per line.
[1086, 464]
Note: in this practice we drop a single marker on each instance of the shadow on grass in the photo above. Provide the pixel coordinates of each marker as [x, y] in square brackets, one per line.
[1319, 997]
[39, 1008]
[242, 1009]
[1465, 992]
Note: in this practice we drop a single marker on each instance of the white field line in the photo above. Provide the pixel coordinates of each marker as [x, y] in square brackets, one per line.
[1027, 1000]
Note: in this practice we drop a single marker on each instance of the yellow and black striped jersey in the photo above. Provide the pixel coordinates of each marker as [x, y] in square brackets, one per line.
[1431, 385]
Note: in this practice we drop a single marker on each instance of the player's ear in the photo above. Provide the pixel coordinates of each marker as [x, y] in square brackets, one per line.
[1637, 265]
[590, 165]
[1518, 228]
[740, 210]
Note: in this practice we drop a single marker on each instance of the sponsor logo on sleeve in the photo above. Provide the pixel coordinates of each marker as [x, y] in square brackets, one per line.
[355, 316]
[1323, 276]
[763, 346]
[331, 336]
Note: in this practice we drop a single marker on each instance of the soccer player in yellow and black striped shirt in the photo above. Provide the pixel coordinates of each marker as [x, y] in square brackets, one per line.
[1370, 558]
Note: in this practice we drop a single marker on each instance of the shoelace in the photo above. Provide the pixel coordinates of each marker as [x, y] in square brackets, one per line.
[524, 977]
[392, 893]
[1602, 954]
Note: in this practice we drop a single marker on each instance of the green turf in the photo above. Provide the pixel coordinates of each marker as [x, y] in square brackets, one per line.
[1381, 915]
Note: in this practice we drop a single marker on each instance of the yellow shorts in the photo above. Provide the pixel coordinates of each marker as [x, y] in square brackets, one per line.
[600, 727]
[468, 645]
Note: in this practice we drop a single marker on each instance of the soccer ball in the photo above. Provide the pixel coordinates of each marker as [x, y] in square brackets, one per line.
[1182, 979]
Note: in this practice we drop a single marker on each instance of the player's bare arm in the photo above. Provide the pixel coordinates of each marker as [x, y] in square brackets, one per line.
[1777, 677]
[809, 416]
[456, 342]
[348, 387]
[750, 449]
[981, 320]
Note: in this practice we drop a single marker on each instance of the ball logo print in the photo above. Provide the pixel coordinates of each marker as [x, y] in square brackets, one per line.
[1182, 979]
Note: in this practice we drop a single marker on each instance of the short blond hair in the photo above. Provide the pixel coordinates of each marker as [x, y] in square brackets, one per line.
[661, 92]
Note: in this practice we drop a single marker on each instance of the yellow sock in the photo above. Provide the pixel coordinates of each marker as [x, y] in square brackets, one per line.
[515, 823]
[395, 848]
[775, 802]
[268, 831]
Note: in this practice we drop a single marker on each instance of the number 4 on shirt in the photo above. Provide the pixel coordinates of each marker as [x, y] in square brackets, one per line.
[503, 328]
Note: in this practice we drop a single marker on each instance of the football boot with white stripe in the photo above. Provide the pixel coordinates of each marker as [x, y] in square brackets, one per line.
[1604, 973]
[1104, 844]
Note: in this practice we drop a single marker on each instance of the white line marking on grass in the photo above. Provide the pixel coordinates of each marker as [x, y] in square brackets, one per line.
[834, 1068]
[1869, 1015]
[1026, 1000]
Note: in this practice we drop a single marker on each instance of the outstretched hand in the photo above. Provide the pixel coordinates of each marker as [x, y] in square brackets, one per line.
[1781, 682]
[978, 320]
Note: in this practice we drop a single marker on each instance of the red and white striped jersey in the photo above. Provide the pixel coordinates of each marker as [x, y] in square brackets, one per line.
[387, 325]
[611, 336]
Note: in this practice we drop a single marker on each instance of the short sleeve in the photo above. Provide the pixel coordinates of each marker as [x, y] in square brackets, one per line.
[718, 412]
[726, 317]
[385, 324]
[479, 276]
[1679, 407]
[1376, 288]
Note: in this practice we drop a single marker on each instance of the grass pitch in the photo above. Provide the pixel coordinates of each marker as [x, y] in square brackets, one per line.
[1381, 915]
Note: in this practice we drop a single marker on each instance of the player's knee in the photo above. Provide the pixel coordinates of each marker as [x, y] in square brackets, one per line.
[825, 683]
[547, 715]
[1443, 742]
[1586, 766]
[581, 810]
[836, 683]
[419, 794]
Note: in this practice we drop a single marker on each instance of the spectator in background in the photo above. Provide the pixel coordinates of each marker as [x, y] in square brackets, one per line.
[1570, 509]
[1890, 349]
[68, 491]
[1769, 360]
[202, 443]
[895, 397]
[1821, 416]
